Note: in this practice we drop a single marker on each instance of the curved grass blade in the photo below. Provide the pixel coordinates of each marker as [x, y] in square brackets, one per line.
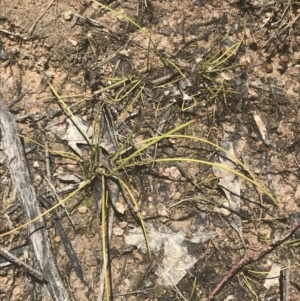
[139, 216]
[82, 185]
[104, 239]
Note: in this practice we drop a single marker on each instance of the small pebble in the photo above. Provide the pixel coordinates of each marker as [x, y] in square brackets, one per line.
[57, 239]
[68, 15]
[123, 225]
[269, 68]
[82, 209]
[37, 180]
[73, 42]
[36, 164]
[120, 207]
[150, 198]
[118, 231]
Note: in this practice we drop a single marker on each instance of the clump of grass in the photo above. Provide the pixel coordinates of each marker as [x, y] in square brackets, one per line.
[220, 59]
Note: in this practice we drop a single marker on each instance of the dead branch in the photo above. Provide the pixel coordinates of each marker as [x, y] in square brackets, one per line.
[252, 257]
[17, 163]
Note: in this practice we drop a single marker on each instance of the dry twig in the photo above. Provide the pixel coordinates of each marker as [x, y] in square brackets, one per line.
[252, 257]
[37, 274]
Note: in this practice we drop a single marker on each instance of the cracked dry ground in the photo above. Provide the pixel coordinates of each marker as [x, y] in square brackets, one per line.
[234, 65]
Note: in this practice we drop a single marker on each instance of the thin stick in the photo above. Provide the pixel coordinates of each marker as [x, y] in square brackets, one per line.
[37, 274]
[251, 257]
[31, 29]
[59, 199]
[287, 281]
[48, 168]
[18, 35]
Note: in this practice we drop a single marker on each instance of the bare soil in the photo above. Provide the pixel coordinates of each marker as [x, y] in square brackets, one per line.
[82, 48]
